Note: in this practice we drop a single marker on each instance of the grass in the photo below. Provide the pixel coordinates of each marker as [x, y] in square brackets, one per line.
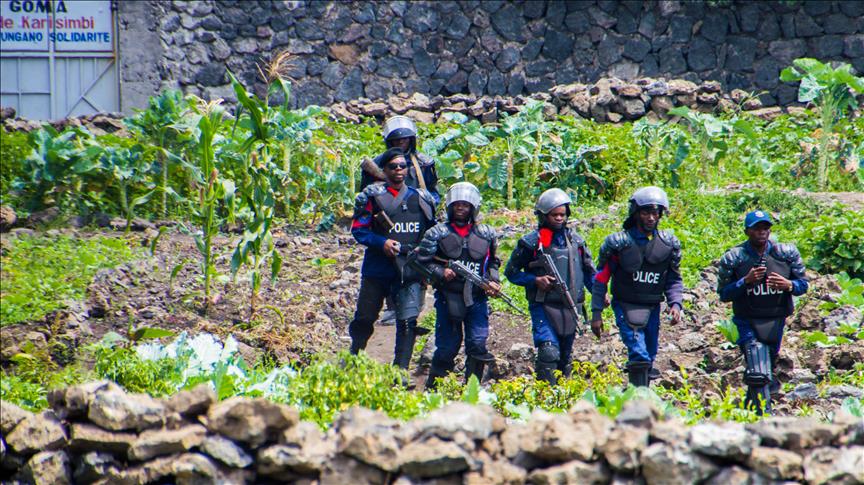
[39, 274]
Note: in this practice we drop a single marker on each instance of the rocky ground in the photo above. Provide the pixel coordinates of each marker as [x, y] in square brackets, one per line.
[308, 308]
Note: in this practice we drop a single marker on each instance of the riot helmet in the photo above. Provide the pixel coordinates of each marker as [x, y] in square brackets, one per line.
[399, 127]
[463, 192]
[650, 196]
[551, 199]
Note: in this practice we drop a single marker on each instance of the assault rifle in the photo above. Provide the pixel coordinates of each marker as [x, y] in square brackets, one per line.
[460, 269]
[561, 287]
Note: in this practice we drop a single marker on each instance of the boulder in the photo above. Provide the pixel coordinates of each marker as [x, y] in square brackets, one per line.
[252, 421]
[733, 475]
[195, 468]
[166, 441]
[37, 432]
[776, 463]
[284, 461]
[370, 437]
[226, 451]
[639, 413]
[729, 440]
[557, 438]
[624, 446]
[7, 218]
[835, 465]
[48, 467]
[92, 466]
[573, 472]
[85, 437]
[342, 469]
[192, 402]
[74, 401]
[433, 458]
[115, 410]
[474, 421]
[794, 434]
[499, 472]
[672, 464]
[10, 416]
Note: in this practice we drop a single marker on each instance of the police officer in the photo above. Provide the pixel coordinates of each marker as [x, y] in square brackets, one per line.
[459, 303]
[401, 132]
[553, 326]
[644, 266]
[390, 219]
[760, 278]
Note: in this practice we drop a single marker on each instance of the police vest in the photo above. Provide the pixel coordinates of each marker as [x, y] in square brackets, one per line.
[406, 212]
[568, 261]
[642, 272]
[760, 301]
[471, 251]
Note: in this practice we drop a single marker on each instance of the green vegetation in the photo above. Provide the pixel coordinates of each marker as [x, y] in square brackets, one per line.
[835, 243]
[40, 273]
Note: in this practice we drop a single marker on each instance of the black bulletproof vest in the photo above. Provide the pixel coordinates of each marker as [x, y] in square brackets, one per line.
[569, 264]
[760, 301]
[642, 272]
[405, 213]
[470, 251]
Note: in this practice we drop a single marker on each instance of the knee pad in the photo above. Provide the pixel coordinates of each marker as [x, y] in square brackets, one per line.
[548, 353]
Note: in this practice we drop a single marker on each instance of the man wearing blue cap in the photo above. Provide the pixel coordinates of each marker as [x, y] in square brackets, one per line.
[760, 278]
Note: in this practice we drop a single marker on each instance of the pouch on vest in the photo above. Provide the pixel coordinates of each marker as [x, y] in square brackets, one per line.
[767, 329]
[456, 308]
[561, 319]
[630, 258]
[636, 315]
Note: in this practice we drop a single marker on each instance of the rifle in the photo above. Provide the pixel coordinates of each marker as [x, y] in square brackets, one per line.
[460, 269]
[561, 287]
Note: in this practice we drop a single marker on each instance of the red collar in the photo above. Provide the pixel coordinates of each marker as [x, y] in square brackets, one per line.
[392, 191]
[462, 231]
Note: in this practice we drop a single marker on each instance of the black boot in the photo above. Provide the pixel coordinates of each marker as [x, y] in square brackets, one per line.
[547, 362]
[757, 376]
[434, 374]
[638, 373]
[404, 347]
[476, 364]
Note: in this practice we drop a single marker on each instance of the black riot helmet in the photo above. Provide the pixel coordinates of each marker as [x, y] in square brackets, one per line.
[650, 196]
[399, 127]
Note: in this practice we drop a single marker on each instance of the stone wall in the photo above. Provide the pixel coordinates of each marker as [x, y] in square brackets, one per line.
[349, 50]
[96, 433]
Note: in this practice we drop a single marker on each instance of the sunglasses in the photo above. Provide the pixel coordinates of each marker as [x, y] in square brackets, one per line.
[397, 166]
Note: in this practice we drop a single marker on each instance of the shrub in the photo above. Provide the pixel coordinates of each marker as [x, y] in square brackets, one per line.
[835, 243]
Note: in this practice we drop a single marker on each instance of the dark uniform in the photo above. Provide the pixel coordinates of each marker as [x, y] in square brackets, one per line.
[760, 312]
[553, 325]
[458, 302]
[412, 213]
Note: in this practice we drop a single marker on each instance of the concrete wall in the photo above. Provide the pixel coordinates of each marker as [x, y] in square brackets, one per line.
[348, 50]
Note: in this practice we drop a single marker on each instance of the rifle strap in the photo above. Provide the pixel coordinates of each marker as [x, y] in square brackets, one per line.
[420, 180]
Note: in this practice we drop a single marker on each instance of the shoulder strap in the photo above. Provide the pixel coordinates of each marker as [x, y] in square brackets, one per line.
[417, 171]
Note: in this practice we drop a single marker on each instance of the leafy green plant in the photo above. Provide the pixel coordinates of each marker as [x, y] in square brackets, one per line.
[831, 91]
[39, 274]
[728, 329]
[665, 146]
[127, 168]
[712, 135]
[321, 264]
[158, 126]
[455, 149]
[836, 243]
[15, 149]
[851, 293]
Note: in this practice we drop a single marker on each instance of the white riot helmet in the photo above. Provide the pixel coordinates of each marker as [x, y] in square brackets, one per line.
[647, 197]
[551, 199]
[399, 127]
[463, 192]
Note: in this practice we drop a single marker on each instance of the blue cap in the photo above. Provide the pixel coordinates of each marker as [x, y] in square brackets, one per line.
[756, 217]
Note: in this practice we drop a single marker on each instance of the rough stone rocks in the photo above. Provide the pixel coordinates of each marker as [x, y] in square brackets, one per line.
[226, 451]
[624, 446]
[115, 410]
[556, 438]
[671, 464]
[370, 437]
[474, 421]
[433, 458]
[776, 463]
[7, 218]
[48, 467]
[728, 441]
[10, 416]
[37, 432]
[794, 433]
[86, 437]
[153, 443]
[252, 421]
[833, 465]
[571, 472]
[192, 402]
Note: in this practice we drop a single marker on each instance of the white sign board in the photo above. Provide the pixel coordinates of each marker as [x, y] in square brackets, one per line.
[71, 25]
